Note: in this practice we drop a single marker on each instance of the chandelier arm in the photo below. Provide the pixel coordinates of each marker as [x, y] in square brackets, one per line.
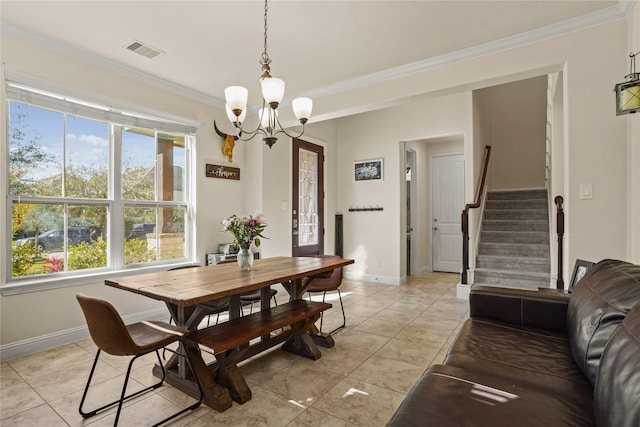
[281, 130]
[251, 135]
[259, 129]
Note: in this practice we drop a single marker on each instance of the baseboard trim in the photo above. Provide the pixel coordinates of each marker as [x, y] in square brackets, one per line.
[373, 278]
[68, 336]
[424, 270]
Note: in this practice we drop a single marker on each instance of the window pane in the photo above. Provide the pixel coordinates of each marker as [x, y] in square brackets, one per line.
[171, 167]
[138, 164]
[140, 234]
[170, 241]
[38, 238]
[87, 158]
[87, 242]
[308, 201]
[35, 151]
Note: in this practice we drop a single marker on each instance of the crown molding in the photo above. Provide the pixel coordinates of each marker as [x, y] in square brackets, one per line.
[620, 10]
[98, 61]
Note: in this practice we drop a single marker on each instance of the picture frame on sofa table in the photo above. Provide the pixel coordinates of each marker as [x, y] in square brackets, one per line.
[579, 270]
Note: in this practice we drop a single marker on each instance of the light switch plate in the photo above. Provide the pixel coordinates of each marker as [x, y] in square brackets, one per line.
[586, 191]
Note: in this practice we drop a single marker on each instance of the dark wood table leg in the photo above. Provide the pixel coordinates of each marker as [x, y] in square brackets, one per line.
[321, 338]
[178, 373]
[215, 396]
[296, 289]
[229, 376]
[300, 341]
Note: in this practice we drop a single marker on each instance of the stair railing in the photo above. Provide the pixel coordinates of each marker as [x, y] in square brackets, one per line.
[560, 230]
[464, 279]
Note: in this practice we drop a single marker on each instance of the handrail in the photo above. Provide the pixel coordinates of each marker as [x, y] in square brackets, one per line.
[465, 218]
[560, 230]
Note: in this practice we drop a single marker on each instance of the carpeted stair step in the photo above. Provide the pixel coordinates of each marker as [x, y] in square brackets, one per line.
[515, 225]
[511, 263]
[511, 279]
[513, 249]
[516, 204]
[516, 214]
[514, 241]
[528, 237]
[517, 194]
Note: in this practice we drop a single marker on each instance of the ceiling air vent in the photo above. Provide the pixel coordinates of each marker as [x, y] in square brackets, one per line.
[143, 49]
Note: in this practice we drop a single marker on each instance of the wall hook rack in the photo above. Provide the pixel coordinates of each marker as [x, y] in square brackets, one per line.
[365, 209]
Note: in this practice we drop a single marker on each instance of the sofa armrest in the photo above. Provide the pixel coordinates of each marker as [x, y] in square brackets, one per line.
[542, 309]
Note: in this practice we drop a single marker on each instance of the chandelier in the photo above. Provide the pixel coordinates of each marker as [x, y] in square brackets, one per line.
[628, 92]
[272, 93]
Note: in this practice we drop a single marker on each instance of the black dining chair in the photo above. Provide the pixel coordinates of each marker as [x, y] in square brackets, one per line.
[112, 336]
[328, 284]
[251, 297]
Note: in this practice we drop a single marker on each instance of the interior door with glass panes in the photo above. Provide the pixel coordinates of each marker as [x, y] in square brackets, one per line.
[308, 195]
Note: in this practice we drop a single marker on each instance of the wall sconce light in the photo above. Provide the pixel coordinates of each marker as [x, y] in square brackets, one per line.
[628, 92]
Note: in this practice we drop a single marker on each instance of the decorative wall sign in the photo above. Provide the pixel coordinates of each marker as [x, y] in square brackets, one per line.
[367, 170]
[224, 172]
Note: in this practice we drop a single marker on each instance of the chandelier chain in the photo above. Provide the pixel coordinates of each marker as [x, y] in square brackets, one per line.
[265, 55]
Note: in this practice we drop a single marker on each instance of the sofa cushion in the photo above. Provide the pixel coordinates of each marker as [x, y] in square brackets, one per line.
[617, 391]
[442, 398]
[574, 398]
[598, 303]
[528, 350]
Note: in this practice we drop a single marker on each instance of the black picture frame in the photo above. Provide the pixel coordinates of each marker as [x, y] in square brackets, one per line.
[579, 270]
[368, 170]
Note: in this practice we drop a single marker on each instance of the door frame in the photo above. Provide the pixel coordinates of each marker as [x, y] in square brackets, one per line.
[322, 205]
[414, 255]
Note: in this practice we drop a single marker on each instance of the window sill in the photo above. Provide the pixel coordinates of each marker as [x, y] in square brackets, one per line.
[42, 284]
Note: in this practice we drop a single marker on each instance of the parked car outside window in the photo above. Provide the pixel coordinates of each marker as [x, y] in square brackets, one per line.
[54, 239]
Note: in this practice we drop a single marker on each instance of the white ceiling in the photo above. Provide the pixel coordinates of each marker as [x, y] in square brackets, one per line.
[315, 45]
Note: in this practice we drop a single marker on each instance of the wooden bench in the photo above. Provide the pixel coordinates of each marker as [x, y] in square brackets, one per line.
[230, 341]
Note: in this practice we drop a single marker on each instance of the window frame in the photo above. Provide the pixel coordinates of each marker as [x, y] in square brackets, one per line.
[18, 93]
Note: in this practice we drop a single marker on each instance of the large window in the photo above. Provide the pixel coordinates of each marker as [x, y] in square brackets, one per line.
[91, 189]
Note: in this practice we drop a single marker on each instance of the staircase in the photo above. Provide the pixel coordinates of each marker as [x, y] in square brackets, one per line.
[514, 242]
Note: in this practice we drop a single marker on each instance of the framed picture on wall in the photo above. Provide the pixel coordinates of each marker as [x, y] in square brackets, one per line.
[368, 170]
[579, 270]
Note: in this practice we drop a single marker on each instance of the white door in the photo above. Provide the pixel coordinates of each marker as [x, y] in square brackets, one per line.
[447, 201]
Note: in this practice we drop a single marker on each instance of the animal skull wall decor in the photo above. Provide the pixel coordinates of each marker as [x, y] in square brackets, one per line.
[228, 142]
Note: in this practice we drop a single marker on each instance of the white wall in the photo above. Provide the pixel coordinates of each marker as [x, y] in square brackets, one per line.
[600, 148]
[36, 314]
[275, 181]
[376, 239]
[516, 123]
[596, 143]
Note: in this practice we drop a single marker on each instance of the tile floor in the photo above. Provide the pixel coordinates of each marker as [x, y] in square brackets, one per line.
[393, 334]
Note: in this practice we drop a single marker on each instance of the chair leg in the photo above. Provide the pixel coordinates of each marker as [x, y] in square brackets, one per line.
[123, 395]
[189, 408]
[344, 318]
[124, 388]
[324, 294]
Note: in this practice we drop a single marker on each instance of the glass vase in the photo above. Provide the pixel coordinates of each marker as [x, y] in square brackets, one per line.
[245, 259]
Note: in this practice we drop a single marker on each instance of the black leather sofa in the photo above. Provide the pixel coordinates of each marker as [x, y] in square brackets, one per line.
[540, 358]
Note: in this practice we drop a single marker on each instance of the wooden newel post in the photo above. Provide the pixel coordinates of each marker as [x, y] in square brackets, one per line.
[465, 247]
[560, 227]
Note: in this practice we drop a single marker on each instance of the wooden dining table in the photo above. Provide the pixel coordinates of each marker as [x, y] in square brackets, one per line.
[184, 291]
